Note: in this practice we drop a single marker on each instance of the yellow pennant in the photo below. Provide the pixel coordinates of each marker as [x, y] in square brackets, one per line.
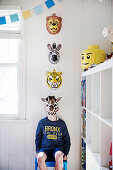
[26, 14]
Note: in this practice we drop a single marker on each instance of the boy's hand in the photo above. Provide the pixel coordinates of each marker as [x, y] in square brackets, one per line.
[65, 157]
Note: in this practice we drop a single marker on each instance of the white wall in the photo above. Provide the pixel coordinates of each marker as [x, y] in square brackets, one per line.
[83, 22]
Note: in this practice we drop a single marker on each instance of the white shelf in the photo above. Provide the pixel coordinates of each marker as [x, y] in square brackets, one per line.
[104, 168]
[103, 66]
[89, 145]
[83, 107]
[99, 115]
[106, 93]
[107, 121]
[94, 114]
[96, 156]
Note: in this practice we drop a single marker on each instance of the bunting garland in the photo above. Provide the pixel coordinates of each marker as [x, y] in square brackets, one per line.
[49, 3]
[27, 14]
[2, 20]
[14, 18]
[38, 9]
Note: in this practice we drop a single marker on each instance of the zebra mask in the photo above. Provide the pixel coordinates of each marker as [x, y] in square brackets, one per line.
[54, 55]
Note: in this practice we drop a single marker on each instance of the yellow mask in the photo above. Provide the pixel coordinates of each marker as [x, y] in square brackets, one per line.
[54, 79]
[92, 56]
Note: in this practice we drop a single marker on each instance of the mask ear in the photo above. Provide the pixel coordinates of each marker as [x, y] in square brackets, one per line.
[47, 18]
[60, 73]
[59, 47]
[49, 46]
[60, 19]
[43, 99]
[47, 73]
[58, 99]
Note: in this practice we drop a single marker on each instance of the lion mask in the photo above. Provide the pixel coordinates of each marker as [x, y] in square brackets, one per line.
[53, 24]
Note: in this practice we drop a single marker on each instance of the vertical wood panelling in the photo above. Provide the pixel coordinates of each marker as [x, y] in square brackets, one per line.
[91, 22]
[21, 144]
[37, 64]
[82, 25]
[12, 146]
[96, 16]
[105, 15]
[111, 12]
[29, 157]
[4, 149]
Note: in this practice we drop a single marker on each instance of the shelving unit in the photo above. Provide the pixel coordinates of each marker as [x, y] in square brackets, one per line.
[99, 115]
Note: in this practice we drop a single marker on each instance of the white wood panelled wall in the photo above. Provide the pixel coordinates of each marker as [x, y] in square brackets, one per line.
[83, 22]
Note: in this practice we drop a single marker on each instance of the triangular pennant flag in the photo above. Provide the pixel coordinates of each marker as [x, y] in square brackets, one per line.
[26, 14]
[14, 18]
[2, 20]
[38, 9]
[49, 3]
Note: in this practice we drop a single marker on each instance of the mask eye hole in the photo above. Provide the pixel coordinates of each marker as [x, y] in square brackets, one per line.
[50, 22]
[50, 78]
[57, 78]
[88, 57]
[82, 57]
[56, 22]
[55, 104]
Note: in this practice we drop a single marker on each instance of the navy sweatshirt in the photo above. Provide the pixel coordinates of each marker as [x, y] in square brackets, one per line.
[52, 134]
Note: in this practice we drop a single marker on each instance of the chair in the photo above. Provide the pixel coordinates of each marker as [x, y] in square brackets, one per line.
[51, 164]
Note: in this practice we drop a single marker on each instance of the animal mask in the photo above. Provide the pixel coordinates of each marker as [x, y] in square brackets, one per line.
[54, 79]
[54, 55]
[53, 24]
[51, 106]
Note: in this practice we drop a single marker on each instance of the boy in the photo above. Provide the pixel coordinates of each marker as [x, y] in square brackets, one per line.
[52, 137]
